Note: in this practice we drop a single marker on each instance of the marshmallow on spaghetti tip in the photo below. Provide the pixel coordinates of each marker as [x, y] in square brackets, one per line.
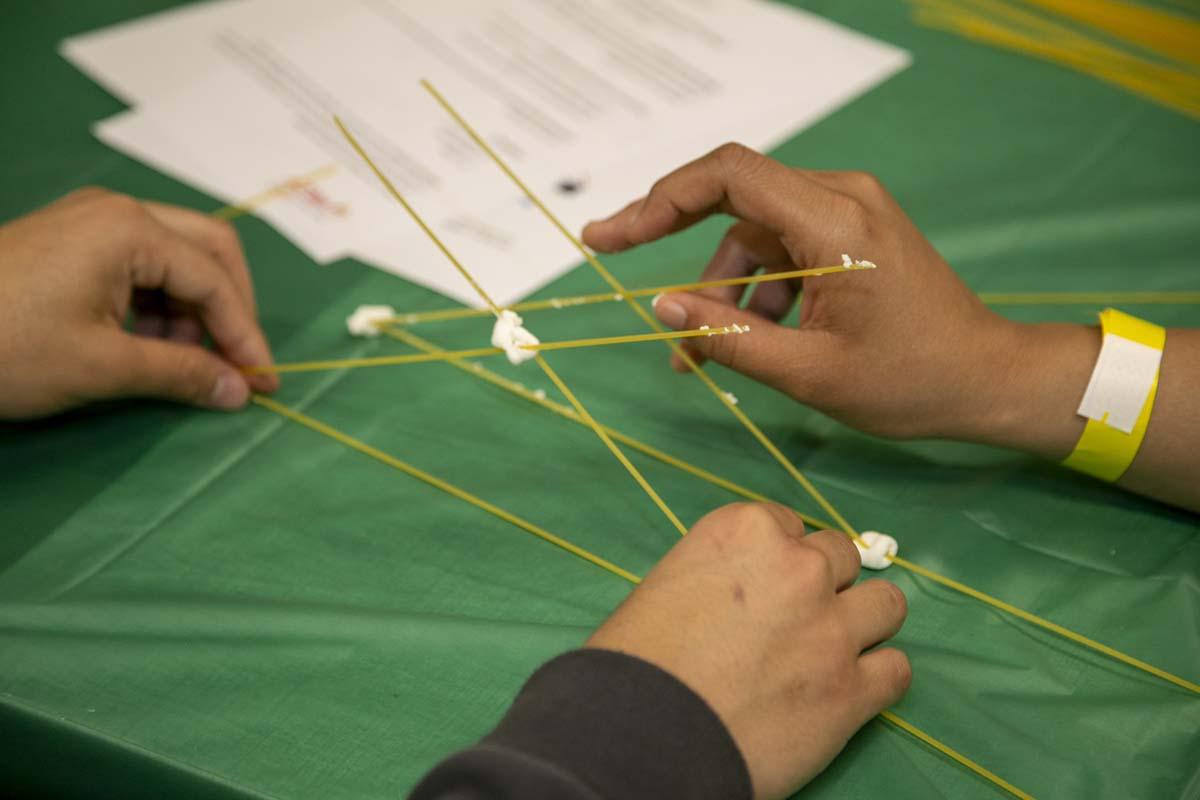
[880, 547]
[366, 320]
[847, 261]
[509, 335]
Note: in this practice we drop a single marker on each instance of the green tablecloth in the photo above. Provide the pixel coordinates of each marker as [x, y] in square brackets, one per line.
[203, 605]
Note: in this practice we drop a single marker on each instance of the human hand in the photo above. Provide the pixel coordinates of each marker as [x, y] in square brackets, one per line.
[900, 351]
[905, 350]
[70, 274]
[764, 623]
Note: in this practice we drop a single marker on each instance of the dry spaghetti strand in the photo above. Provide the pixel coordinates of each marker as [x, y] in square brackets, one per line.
[373, 361]
[1090, 298]
[295, 184]
[950, 752]
[1033, 619]
[436, 482]
[399, 198]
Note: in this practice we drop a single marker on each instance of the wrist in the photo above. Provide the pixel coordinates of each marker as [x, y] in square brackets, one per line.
[1029, 380]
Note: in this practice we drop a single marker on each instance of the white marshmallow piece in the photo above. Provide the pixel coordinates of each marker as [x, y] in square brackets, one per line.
[847, 261]
[365, 320]
[509, 335]
[879, 547]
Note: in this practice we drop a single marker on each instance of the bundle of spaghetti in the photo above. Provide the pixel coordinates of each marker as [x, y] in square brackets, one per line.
[1172, 83]
[1158, 30]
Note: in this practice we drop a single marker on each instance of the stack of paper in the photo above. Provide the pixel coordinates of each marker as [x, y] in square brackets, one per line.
[589, 100]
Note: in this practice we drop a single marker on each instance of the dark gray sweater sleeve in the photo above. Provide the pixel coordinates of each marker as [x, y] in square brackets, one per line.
[598, 725]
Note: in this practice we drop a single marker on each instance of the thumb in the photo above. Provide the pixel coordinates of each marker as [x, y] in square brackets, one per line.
[769, 352]
[145, 367]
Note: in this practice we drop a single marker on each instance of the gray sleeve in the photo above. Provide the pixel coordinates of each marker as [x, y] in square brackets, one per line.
[598, 725]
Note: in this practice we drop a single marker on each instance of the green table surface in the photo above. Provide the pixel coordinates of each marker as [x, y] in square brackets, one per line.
[203, 605]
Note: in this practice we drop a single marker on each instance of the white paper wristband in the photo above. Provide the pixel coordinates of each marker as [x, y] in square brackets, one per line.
[1121, 382]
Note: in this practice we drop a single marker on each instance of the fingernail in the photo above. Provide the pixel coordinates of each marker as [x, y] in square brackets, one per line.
[670, 313]
[230, 392]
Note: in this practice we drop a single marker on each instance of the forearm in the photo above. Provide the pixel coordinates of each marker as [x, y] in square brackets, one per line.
[1039, 376]
[1168, 465]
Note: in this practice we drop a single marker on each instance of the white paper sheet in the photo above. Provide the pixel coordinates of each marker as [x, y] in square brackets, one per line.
[304, 217]
[602, 94]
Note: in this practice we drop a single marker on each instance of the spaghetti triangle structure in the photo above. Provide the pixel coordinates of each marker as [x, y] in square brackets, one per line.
[616, 441]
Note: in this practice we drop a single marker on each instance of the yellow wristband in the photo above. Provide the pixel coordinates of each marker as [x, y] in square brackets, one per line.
[1104, 450]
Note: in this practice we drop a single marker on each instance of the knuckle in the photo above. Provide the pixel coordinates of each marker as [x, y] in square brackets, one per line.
[119, 207]
[724, 517]
[758, 516]
[812, 566]
[852, 214]
[750, 527]
[865, 183]
[225, 243]
[87, 192]
[733, 156]
[725, 529]
[657, 190]
[742, 520]
[224, 234]
[843, 543]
